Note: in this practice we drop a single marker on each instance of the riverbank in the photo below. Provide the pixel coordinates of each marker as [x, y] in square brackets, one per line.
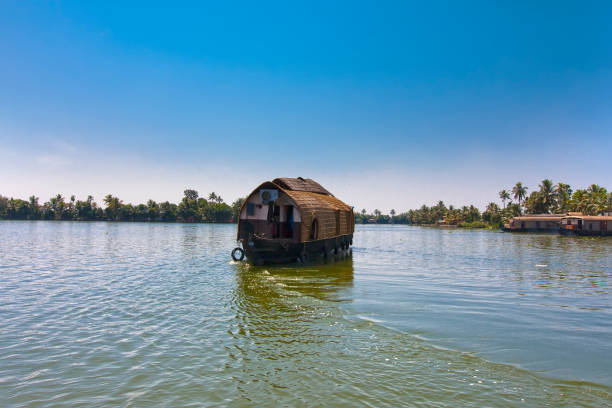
[192, 208]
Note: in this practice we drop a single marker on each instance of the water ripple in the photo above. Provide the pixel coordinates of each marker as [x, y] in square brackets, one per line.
[105, 314]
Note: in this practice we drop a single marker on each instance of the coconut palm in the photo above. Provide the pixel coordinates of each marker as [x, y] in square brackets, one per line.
[562, 193]
[58, 205]
[504, 195]
[519, 192]
[578, 201]
[595, 189]
[113, 207]
[546, 195]
[597, 199]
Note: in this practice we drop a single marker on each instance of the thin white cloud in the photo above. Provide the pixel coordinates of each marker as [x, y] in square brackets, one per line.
[53, 160]
[63, 146]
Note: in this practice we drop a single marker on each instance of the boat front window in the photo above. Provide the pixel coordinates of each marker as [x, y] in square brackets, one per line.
[250, 209]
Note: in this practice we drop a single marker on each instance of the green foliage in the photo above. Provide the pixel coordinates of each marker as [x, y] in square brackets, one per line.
[493, 214]
[423, 216]
[192, 208]
[562, 196]
[549, 198]
[560, 199]
[191, 194]
[593, 200]
[236, 205]
[504, 195]
[475, 224]
[519, 192]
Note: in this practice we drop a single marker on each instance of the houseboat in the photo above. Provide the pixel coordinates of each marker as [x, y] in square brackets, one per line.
[534, 223]
[292, 219]
[586, 225]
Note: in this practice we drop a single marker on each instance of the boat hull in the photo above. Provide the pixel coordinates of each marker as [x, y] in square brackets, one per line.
[585, 233]
[274, 251]
[542, 230]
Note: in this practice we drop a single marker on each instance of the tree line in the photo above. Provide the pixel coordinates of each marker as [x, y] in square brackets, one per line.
[549, 198]
[192, 208]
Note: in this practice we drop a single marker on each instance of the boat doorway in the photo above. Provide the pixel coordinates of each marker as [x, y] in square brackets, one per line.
[289, 222]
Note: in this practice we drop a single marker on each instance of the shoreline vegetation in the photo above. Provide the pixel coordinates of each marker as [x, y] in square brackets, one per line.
[192, 208]
[548, 198]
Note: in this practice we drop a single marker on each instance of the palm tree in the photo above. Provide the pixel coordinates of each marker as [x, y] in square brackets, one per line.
[546, 195]
[578, 201]
[504, 195]
[492, 208]
[34, 207]
[113, 206]
[594, 189]
[563, 193]
[58, 206]
[474, 214]
[152, 210]
[597, 199]
[519, 192]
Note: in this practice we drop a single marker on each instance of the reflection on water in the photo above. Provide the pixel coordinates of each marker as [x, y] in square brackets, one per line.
[112, 314]
[264, 284]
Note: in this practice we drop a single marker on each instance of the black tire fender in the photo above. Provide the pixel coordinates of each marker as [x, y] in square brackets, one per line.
[235, 251]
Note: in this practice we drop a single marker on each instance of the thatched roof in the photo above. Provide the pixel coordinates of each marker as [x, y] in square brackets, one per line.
[540, 217]
[590, 217]
[334, 217]
[306, 200]
[300, 184]
[314, 201]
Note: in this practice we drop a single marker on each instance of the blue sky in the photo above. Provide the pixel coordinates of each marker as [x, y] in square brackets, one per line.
[388, 105]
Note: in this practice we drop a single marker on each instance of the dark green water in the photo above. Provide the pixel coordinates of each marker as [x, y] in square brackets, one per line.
[102, 314]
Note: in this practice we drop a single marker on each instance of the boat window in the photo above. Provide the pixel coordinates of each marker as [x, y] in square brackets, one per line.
[314, 230]
[250, 209]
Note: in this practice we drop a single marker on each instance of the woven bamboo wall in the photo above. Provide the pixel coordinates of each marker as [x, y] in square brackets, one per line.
[326, 220]
[333, 216]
